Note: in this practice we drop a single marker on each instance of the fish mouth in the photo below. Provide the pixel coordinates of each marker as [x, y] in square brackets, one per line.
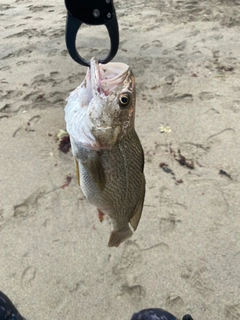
[106, 77]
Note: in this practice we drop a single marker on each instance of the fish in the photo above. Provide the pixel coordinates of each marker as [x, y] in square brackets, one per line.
[7, 309]
[109, 157]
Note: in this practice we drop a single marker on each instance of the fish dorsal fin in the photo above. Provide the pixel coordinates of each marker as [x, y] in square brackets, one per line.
[134, 221]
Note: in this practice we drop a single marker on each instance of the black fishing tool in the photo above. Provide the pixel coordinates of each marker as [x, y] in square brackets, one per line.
[91, 12]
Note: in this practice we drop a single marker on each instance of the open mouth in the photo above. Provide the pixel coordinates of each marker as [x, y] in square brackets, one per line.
[106, 77]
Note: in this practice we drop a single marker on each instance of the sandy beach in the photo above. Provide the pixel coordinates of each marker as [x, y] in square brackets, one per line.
[185, 255]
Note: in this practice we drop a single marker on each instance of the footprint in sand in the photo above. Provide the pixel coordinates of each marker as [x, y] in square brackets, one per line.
[174, 301]
[135, 292]
[29, 206]
[130, 261]
[172, 210]
[168, 224]
[128, 271]
[198, 279]
[28, 276]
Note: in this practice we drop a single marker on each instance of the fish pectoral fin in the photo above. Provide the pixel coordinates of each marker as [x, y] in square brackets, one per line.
[95, 167]
[77, 172]
[134, 221]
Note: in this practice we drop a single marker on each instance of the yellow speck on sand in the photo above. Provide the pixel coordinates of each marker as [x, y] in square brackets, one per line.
[166, 129]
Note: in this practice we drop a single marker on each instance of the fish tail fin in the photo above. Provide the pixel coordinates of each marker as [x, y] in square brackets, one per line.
[117, 237]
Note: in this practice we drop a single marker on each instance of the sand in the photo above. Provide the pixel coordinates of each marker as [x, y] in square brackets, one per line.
[185, 254]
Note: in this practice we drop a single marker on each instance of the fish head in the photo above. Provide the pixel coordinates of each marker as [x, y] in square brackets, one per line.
[101, 110]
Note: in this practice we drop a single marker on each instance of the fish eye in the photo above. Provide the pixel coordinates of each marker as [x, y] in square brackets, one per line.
[124, 99]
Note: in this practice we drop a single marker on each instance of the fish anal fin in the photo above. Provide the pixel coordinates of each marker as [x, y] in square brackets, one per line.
[134, 221]
[117, 237]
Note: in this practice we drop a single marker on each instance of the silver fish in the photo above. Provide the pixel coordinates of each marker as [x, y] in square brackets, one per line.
[109, 157]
